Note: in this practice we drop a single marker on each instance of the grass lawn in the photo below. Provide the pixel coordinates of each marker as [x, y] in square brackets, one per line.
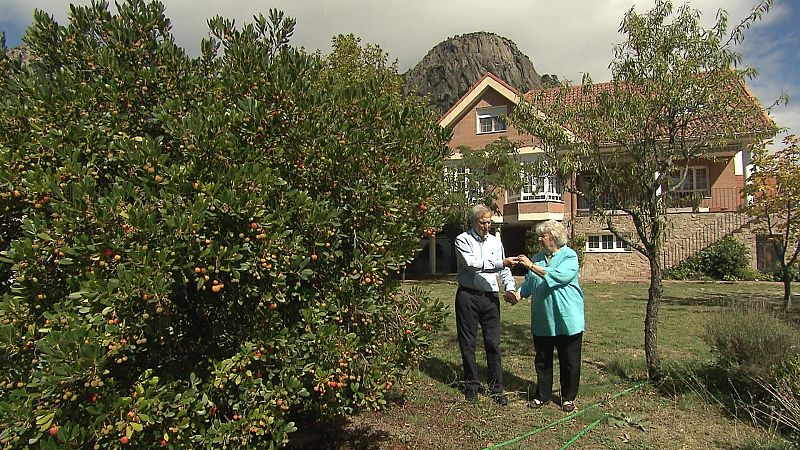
[433, 415]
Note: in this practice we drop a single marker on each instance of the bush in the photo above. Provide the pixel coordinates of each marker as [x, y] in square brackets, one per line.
[204, 248]
[794, 274]
[751, 340]
[758, 352]
[726, 260]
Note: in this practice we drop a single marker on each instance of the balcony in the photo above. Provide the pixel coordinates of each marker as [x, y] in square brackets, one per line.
[712, 200]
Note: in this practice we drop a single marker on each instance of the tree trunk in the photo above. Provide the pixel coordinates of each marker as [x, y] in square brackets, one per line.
[651, 320]
[787, 289]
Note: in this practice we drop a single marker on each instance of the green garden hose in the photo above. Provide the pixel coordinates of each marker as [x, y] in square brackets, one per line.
[584, 431]
[564, 419]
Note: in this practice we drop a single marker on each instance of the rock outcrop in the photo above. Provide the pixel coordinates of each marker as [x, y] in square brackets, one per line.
[452, 66]
[21, 54]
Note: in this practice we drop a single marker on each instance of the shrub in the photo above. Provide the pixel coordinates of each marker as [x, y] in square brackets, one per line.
[203, 248]
[781, 406]
[794, 274]
[751, 340]
[759, 354]
[726, 260]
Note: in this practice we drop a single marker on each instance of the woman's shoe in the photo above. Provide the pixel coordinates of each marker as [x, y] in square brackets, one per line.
[535, 403]
[568, 406]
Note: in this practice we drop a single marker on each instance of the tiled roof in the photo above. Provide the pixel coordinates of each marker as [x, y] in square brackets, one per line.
[549, 100]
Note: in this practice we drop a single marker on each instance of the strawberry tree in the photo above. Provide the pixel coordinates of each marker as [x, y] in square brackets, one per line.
[201, 249]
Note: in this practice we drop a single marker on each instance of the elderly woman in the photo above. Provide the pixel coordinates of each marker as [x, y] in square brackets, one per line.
[556, 314]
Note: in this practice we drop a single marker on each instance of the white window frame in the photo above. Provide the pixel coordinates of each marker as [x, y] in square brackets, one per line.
[691, 176]
[459, 174]
[551, 190]
[493, 114]
[605, 243]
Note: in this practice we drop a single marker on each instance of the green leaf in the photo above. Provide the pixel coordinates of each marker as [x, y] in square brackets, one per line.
[44, 421]
[44, 236]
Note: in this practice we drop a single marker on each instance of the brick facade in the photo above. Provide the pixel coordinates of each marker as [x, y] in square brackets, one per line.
[725, 179]
[632, 266]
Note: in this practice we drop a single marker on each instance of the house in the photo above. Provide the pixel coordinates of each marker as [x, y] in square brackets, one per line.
[708, 208]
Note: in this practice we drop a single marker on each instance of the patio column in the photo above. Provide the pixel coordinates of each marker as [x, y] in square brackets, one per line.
[432, 254]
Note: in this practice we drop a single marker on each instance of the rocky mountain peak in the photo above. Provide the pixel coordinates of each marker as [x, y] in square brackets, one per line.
[452, 66]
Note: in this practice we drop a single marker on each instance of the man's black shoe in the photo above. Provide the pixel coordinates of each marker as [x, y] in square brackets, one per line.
[501, 399]
[471, 396]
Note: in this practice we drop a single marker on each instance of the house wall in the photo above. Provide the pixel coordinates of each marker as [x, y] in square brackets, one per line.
[513, 209]
[465, 128]
[724, 183]
[632, 266]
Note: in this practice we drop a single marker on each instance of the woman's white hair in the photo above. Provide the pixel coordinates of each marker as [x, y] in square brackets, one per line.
[479, 211]
[555, 229]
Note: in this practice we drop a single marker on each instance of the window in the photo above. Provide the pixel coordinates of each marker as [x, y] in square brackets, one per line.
[605, 242]
[696, 181]
[458, 176]
[490, 119]
[538, 188]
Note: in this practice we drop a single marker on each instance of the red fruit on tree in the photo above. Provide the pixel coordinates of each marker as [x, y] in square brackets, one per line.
[53, 431]
[123, 440]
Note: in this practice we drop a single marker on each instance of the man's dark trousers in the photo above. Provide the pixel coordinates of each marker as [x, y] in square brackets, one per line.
[475, 307]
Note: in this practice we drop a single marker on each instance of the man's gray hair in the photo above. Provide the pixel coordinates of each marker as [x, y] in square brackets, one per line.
[555, 229]
[479, 211]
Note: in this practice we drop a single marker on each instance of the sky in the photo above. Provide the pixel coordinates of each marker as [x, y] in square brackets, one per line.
[566, 38]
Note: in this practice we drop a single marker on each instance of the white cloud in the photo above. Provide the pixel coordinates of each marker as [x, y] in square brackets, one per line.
[566, 38]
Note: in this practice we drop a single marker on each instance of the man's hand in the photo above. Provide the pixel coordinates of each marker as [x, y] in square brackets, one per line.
[512, 297]
[511, 261]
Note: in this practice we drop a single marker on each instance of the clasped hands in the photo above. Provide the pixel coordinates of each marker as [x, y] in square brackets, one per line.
[513, 297]
[522, 260]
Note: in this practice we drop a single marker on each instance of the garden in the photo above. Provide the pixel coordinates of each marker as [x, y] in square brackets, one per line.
[704, 401]
[205, 253]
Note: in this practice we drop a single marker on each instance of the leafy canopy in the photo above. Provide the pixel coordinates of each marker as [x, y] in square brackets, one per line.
[199, 251]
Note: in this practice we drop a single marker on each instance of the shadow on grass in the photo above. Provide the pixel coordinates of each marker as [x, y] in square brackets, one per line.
[706, 300]
[515, 341]
[335, 434]
[681, 297]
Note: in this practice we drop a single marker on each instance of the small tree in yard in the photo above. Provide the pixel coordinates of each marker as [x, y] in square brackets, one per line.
[479, 177]
[675, 95]
[774, 192]
[202, 249]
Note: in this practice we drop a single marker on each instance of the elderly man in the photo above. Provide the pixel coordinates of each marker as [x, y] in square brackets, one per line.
[480, 259]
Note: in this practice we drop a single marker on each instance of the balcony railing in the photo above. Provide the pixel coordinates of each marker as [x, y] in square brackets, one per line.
[713, 200]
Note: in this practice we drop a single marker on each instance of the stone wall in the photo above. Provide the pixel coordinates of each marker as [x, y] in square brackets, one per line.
[632, 266]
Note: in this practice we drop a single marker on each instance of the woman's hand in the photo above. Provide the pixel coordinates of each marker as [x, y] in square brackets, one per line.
[525, 262]
[528, 264]
[511, 261]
